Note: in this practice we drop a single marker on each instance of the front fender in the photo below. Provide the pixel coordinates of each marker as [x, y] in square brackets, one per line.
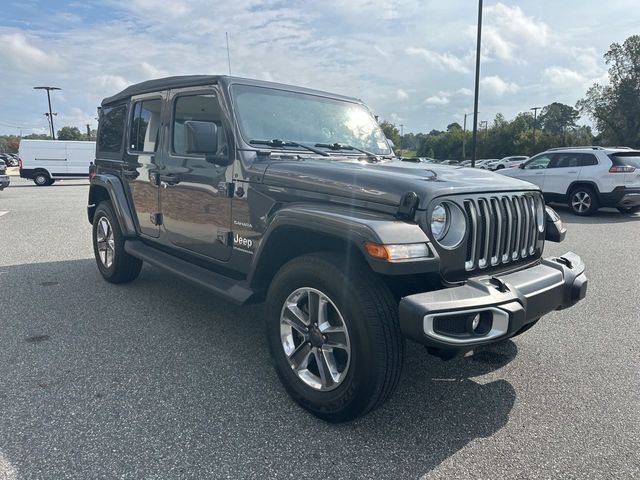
[354, 227]
[114, 189]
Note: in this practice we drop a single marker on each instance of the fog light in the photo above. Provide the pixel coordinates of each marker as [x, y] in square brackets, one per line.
[475, 322]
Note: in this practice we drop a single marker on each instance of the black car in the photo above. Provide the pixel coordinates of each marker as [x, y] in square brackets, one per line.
[256, 191]
[4, 178]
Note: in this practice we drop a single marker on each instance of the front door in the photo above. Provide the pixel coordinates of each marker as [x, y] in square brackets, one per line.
[565, 169]
[196, 209]
[534, 170]
[143, 140]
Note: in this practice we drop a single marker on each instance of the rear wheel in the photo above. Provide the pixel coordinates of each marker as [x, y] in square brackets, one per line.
[41, 179]
[583, 201]
[635, 209]
[114, 263]
[334, 335]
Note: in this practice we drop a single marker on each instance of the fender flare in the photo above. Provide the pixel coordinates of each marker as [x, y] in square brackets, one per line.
[352, 226]
[114, 188]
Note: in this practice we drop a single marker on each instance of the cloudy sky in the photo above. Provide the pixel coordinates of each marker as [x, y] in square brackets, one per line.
[411, 61]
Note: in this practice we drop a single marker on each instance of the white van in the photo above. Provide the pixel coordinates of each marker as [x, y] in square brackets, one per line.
[45, 161]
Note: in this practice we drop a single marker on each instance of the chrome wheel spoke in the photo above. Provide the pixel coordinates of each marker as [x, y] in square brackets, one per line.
[299, 358]
[105, 242]
[313, 306]
[296, 318]
[335, 337]
[328, 375]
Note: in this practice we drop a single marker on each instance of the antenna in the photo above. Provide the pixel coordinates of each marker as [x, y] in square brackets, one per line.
[228, 54]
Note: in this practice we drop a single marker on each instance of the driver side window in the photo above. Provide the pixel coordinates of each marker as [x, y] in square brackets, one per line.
[538, 163]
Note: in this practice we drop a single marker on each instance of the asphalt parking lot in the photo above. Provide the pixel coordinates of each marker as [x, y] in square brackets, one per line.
[158, 380]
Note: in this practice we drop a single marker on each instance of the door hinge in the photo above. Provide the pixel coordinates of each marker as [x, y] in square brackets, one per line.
[156, 218]
[225, 237]
[227, 189]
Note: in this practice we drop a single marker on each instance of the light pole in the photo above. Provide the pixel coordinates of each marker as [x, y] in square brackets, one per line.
[401, 135]
[535, 118]
[48, 89]
[475, 97]
[464, 135]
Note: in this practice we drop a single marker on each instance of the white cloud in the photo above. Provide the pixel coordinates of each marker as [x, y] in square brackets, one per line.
[442, 60]
[401, 94]
[437, 100]
[497, 86]
[19, 52]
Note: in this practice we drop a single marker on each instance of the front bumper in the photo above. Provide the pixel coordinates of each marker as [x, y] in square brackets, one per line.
[4, 181]
[501, 305]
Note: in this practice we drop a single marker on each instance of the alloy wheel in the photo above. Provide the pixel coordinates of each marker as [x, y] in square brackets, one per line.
[105, 242]
[581, 201]
[315, 339]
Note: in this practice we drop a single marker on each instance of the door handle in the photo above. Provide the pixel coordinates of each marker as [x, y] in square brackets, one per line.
[572, 171]
[539, 173]
[168, 180]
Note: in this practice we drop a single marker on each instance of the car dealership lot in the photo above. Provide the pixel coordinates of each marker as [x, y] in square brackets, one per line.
[168, 382]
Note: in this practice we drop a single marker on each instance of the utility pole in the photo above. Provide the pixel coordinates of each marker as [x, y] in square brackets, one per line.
[535, 118]
[475, 99]
[401, 136]
[88, 132]
[48, 89]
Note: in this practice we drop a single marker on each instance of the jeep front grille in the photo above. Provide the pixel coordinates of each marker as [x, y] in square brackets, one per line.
[502, 229]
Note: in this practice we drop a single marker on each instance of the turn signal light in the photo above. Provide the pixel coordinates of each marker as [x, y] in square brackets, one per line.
[394, 253]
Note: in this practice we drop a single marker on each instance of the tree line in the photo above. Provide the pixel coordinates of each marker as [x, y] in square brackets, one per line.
[614, 109]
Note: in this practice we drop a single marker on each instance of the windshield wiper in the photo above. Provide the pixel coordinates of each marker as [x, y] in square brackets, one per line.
[276, 142]
[342, 146]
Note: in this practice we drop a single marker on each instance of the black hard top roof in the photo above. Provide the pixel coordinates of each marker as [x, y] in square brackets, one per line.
[197, 80]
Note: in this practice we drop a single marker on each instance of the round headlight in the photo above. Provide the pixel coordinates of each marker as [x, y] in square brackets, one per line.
[439, 221]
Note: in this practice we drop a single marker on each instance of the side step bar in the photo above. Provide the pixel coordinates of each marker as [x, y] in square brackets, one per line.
[218, 284]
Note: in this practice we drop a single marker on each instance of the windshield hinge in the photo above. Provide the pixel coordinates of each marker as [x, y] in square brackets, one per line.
[408, 206]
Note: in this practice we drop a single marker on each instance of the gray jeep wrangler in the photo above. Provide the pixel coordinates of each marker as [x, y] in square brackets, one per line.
[258, 191]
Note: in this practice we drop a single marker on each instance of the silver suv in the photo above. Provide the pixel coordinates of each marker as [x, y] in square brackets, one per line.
[586, 178]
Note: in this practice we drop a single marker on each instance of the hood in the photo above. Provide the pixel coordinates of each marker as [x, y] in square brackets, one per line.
[385, 182]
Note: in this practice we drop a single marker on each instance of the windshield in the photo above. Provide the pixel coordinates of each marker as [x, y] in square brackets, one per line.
[268, 113]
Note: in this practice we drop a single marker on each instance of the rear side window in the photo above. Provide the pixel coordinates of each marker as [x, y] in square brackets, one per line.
[587, 160]
[145, 126]
[632, 159]
[112, 120]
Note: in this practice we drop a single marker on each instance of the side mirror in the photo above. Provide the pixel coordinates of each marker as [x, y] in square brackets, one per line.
[521, 166]
[202, 139]
[556, 231]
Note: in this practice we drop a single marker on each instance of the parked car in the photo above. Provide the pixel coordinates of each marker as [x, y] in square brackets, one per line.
[45, 161]
[509, 162]
[8, 159]
[586, 178]
[465, 163]
[4, 178]
[260, 191]
[485, 162]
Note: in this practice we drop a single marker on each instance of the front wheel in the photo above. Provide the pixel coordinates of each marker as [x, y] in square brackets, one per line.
[334, 335]
[114, 263]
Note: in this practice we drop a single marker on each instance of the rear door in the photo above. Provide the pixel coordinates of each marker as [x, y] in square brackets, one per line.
[565, 169]
[144, 138]
[195, 203]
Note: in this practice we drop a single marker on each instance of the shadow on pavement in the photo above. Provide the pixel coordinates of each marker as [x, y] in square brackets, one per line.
[156, 379]
[603, 215]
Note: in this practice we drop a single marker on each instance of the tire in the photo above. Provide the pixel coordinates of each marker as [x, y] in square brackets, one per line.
[367, 372]
[583, 201]
[635, 209]
[51, 181]
[41, 179]
[499, 167]
[114, 263]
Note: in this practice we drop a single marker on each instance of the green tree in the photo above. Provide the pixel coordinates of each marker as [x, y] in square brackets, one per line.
[391, 132]
[558, 118]
[615, 108]
[70, 133]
